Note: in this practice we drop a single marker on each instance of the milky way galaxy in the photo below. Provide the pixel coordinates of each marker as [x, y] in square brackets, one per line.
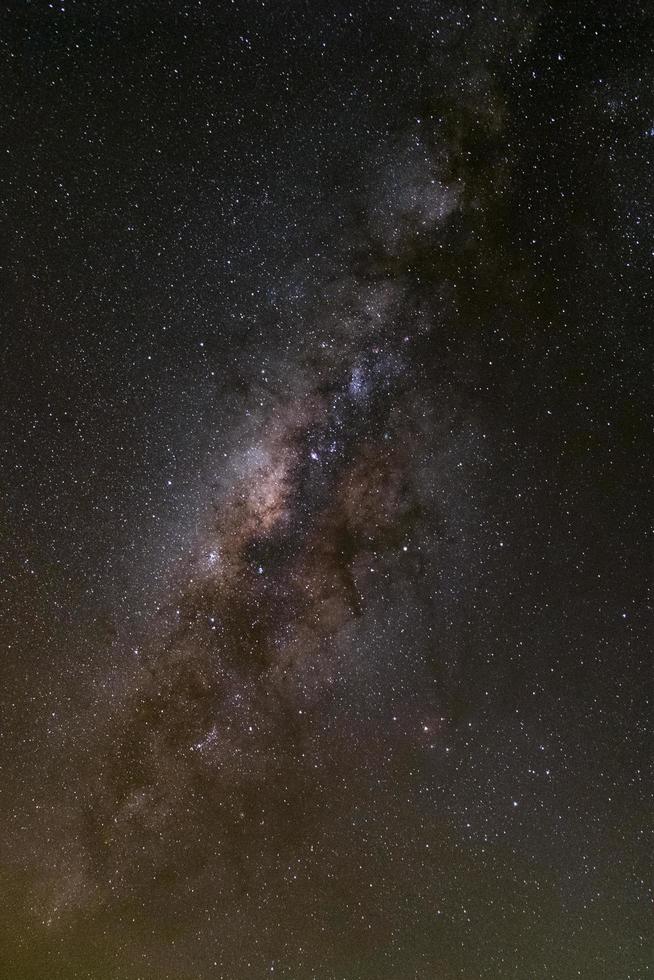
[323, 603]
[334, 497]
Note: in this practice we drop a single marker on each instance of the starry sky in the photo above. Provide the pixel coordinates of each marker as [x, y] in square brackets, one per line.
[323, 486]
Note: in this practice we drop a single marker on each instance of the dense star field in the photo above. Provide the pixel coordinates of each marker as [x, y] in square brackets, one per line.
[324, 476]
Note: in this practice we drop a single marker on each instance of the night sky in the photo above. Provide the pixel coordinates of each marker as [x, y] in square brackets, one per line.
[323, 485]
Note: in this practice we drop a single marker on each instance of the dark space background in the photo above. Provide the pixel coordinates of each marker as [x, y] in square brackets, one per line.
[324, 469]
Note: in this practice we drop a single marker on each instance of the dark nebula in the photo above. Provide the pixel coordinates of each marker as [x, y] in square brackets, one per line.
[324, 477]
